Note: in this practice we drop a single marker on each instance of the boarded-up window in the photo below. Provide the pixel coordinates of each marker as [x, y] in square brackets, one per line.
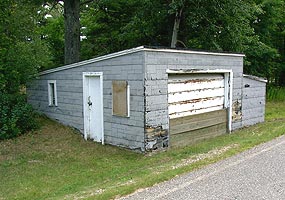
[120, 98]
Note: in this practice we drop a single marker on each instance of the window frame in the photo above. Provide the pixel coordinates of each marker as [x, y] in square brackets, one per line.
[52, 93]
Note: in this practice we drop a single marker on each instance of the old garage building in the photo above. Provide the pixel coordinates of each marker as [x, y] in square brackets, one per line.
[147, 98]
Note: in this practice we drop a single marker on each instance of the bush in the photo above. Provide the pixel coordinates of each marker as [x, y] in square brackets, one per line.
[16, 116]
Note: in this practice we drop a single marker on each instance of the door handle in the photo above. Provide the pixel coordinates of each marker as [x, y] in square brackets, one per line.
[89, 101]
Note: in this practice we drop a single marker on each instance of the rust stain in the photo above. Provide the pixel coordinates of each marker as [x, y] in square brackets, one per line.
[175, 113]
[195, 100]
[199, 90]
[196, 81]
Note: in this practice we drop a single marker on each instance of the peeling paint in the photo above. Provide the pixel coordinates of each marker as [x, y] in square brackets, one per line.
[155, 138]
[237, 111]
[198, 90]
[195, 81]
[195, 93]
[195, 100]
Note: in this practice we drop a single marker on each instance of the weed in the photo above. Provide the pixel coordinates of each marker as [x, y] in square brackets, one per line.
[56, 163]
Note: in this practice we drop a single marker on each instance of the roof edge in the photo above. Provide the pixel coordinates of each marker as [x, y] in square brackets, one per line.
[100, 58]
[256, 78]
[134, 50]
[203, 52]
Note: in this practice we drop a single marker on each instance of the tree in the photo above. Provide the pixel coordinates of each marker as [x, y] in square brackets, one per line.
[255, 27]
[269, 25]
[72, 31]
[115, 25]
[178, 7]
[105, 27]
[22, 54]
[51, 29]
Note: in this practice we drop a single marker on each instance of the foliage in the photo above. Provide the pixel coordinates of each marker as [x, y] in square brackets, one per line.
[268, 58]
[275, 93]
[22, 54]
[254, 27]
[106, 27]
[16, 117]
[32, 32]
[87, 170]
[51, 30]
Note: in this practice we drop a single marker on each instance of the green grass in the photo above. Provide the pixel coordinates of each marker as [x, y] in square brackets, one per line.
[275, 93]
[56, 163]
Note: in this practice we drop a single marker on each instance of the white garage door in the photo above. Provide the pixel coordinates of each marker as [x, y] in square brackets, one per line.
[191, 94]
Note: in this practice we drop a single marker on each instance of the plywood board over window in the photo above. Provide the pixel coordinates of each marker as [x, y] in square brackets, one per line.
[120, 98]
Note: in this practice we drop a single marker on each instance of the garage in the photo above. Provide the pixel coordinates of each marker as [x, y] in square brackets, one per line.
[198, 103]
[149, 98]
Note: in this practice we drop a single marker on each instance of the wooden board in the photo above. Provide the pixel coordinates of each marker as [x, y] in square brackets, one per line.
[120, 100]
[193, 94]
[191, 137]
[189, 129]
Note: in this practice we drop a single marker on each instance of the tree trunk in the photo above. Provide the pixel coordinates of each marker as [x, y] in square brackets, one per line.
[176, 28]
[72, 31]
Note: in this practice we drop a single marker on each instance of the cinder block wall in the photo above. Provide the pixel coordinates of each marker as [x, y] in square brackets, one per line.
[120, 131]
[148, 125]
[253, 101]
[156, 78]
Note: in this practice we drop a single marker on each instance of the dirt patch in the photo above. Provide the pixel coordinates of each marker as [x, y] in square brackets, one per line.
[93, 192]
[211, 154]
[85, 194]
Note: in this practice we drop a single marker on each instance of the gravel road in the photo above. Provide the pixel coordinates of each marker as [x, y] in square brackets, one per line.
[258, 173]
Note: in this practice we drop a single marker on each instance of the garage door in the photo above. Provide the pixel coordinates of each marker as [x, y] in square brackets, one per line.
[196, 107]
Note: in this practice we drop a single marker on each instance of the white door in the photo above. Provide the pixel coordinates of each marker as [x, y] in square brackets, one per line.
[93, 106]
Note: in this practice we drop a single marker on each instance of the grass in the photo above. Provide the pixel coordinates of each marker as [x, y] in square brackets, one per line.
[56, 163]
[276, 93]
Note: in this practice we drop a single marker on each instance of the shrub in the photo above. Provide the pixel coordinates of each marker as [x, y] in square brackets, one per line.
[16, 116]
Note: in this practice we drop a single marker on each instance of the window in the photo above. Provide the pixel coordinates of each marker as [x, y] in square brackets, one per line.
[52, 95]
[121, 98]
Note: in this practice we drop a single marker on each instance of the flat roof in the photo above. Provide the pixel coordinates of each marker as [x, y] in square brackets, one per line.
[256, 78]
[138, 49]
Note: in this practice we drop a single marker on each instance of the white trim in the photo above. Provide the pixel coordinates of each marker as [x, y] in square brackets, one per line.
[84, 75]
[197, 71]
[128, 99]
[134, 50]
[256, 78]
[93, 74]
[102, 107]
[227, 81]
[50, 101]
[194, 52]
[85, 62]
[230, 101]
[84, 106]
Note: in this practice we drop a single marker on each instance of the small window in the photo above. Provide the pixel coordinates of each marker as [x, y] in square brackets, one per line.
[52, 95]
[121, 98]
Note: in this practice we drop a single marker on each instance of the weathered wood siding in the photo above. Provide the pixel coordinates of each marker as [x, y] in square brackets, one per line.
[253, 100]
[156, 88]
[120, 131]
[189, 129]
[191, 94]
